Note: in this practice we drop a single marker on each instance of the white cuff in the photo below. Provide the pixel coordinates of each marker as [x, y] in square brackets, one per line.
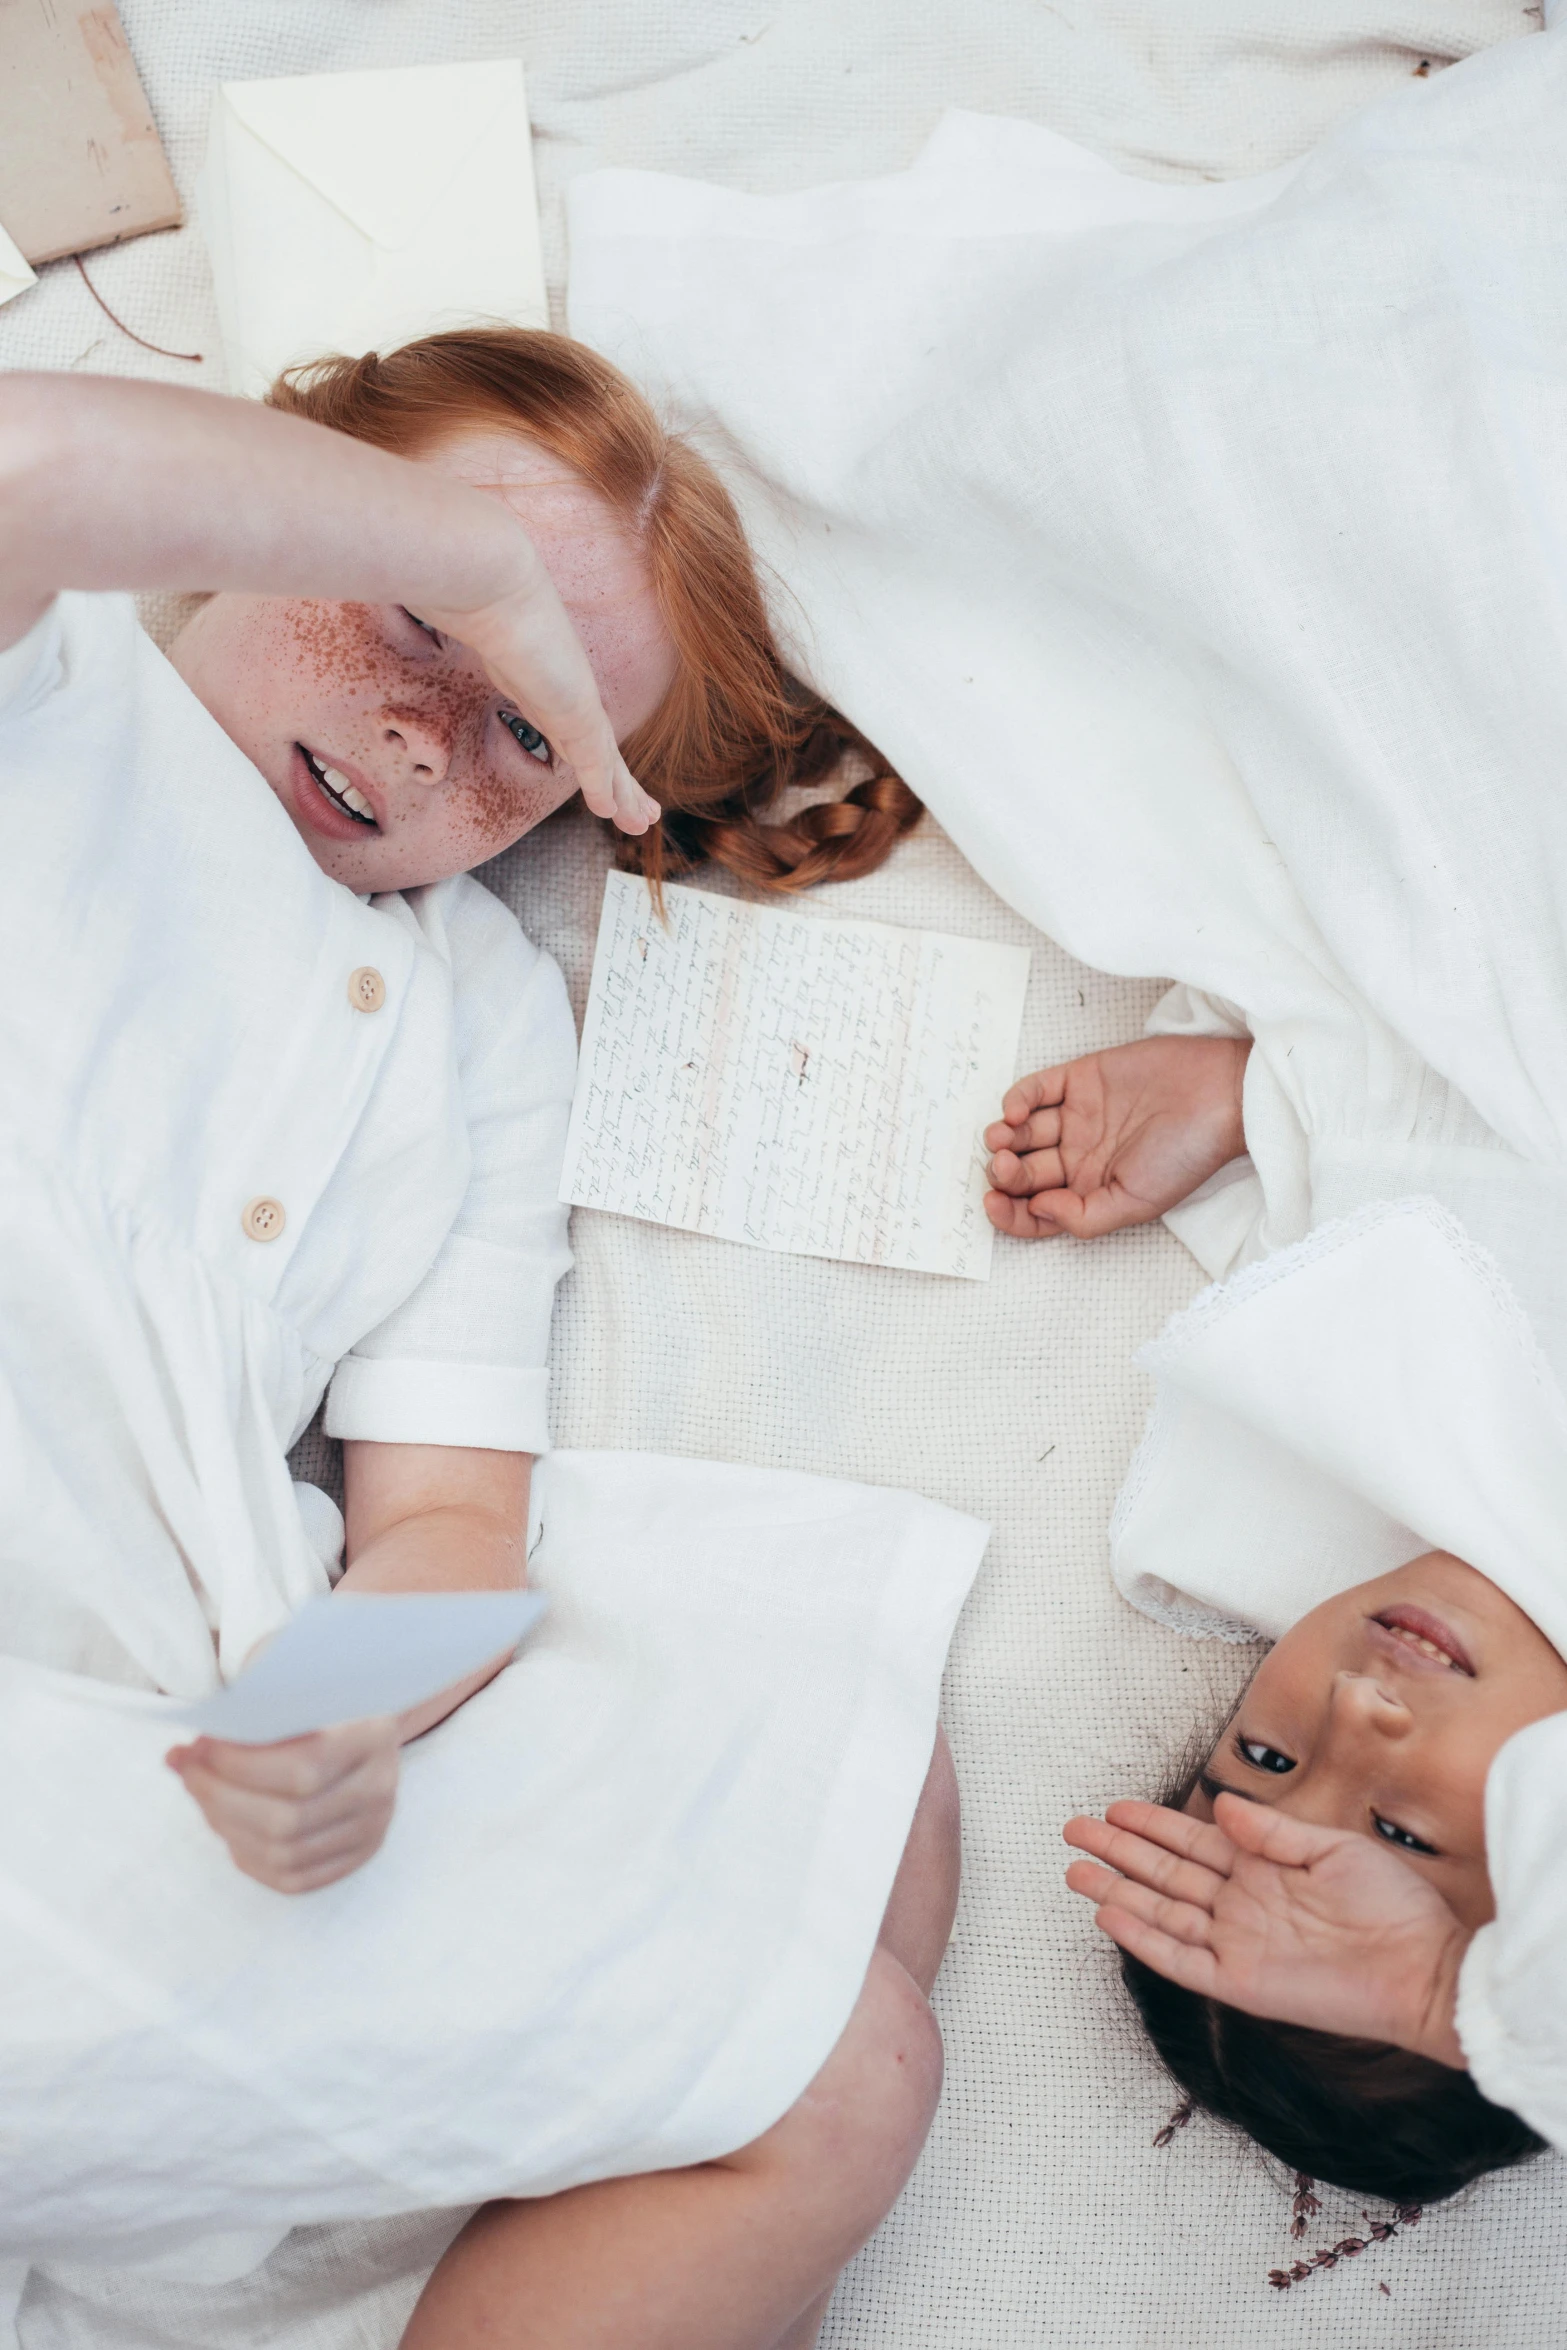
[1493, 2060]
[1219, 1218]
[395, 1401]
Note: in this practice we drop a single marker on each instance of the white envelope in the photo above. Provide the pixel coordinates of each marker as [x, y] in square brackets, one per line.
[15, 276]
[354, 211]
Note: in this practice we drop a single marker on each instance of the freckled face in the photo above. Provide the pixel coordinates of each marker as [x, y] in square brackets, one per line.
[397, 759]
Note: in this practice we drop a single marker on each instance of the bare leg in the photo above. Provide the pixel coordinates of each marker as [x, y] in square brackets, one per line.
[916, 1927]
[742, 2253]
[806, 2331]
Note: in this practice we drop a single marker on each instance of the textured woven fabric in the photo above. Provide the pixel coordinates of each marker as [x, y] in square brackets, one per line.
[1041, 2213]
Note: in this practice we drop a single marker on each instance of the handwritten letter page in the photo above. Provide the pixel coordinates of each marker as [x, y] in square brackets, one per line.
[763, 1075]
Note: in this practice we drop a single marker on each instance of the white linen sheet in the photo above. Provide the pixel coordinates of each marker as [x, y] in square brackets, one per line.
[185, 2055]
[1041, 2212]
[1110, 515]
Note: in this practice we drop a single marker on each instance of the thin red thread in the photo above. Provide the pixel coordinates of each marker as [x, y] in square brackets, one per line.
[193, 356]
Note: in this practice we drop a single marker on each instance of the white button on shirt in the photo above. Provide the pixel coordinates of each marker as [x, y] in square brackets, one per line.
[366, 989]
[256, 1135]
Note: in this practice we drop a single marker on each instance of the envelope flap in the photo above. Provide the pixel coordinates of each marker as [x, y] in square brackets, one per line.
[382, 147]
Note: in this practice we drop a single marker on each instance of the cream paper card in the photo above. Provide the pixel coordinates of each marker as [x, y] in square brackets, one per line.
[763, 1075]
[354, 211]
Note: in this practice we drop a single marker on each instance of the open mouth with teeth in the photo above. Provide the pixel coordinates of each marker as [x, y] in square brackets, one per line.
[1413, 1628]
[335, 787]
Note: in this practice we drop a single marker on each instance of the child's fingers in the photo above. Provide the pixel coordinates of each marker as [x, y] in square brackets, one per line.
[1044, 1089]
[293, 1767]
[1178, 1831]
[1193, 1968]
[1273, 1835]
[1015, 1217]
[1146, 1863]
[1036, 1171]
[1092, 1216]
[267, 1811]
[1182, 1921]
[1094, 1883]
[1041, 1130]
[292, 1864]
[631, 807]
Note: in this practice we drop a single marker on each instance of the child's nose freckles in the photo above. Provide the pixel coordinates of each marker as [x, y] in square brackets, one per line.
[422, 744]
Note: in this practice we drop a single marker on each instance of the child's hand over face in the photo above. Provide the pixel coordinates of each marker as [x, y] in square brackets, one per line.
[301, 1814]
[1316, 1926]
[1117, 1137]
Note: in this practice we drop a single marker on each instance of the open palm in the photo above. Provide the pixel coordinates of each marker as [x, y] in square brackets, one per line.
[1115, 1138]
[1311, 1925]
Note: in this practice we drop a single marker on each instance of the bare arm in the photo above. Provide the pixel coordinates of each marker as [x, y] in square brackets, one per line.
[110, 484]
[436, 1517]
[421, 1517]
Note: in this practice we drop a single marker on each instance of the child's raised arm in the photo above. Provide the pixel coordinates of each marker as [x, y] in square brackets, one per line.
[110, 484]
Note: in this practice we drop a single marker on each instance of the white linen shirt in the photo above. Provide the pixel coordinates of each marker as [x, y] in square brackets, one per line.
[232, 1170]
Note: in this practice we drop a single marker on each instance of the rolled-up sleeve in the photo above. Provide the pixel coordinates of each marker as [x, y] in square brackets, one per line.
[464, 1359]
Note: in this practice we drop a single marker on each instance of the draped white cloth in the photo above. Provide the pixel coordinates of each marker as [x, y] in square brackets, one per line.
[1201, 557]
[624, 1909]
[1207, 576]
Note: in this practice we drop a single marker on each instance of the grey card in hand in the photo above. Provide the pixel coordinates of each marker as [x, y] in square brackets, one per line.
[355, 1655]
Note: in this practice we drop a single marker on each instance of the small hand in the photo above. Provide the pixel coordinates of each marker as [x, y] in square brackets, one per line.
[303, 1813]
[534, 655]
[1316, 1926]
[1117, 1137]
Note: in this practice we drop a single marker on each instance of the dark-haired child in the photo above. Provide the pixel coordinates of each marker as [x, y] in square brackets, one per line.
[1343, 1928]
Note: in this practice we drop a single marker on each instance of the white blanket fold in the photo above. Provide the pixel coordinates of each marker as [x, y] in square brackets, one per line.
[625, 1907]
[1373, 1392]
[1199, 554]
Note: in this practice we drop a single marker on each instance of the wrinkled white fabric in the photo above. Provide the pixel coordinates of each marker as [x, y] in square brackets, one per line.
[178, 1041]
[1372, 1392]
[1208, 577]
[624, 1908]
[632, 1888]
[1115, 517]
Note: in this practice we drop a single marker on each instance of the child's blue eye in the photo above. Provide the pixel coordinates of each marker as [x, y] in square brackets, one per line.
[529, 736]
[1398, 1836]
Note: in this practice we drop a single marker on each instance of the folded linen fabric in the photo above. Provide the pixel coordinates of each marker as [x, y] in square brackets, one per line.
[350, 211]
[1371, 1393]
[624, 1910]
[1207, 575]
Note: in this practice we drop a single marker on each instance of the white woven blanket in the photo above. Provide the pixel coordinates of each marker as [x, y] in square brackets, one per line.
[1041, 2213]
